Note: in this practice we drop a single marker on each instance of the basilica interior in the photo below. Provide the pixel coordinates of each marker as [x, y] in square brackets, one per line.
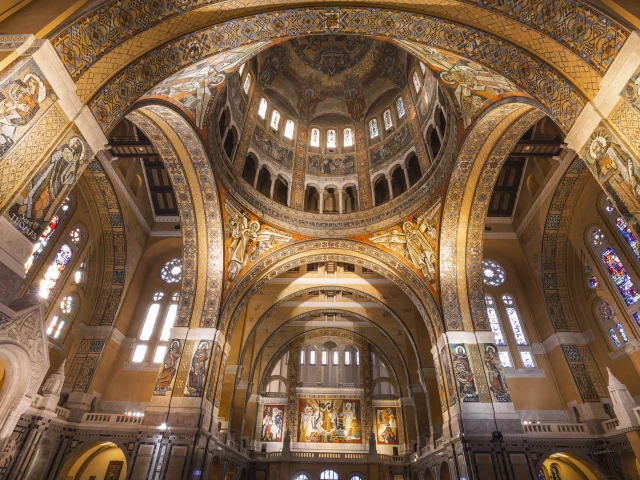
[255, 240]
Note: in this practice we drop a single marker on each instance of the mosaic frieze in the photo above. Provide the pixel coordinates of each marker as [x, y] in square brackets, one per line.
[329, 420]
[34, 206]
[267, 143]
[195, 86]
[167, 375]
[25, 95]
[415, 240]
[575, 25]
[247, 239]
[327, 165]
[551, 89]
[390, 147]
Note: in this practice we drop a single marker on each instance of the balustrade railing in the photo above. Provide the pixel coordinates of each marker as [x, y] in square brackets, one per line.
[564, 429]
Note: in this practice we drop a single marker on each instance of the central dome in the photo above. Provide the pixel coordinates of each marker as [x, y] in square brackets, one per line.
[335, 126]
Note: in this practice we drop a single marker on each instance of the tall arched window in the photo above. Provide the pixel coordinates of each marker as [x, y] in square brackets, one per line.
[400, 107]
[47, 233]
[312, 357]
[496, 326]
[347, 357]
[275, 120]
[302, 357]
[518, 331]
[614, 266]
[348, 137]
[328, 475]
[331, 138]
[416, 81]
[610, 323]
[247, 83]
[373, 128]
[61, 260]
[423, 67]
[302, 476]
[67, 308]
[315, 137]
[262, 109]
[288, 129]
[388, 121]
[629, 236]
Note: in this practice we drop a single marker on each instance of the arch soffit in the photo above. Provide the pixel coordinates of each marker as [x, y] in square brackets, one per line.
[269, 313]
[558, 42]
[360, 338]
[75, 454]
[322, 332]
[198, 202]
[310, 251]
[476, 149]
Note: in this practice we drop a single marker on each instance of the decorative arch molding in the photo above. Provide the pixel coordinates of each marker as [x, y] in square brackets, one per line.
[228, 30]
[458, 207]
[270, 311]
[198, 202]
[349, 251]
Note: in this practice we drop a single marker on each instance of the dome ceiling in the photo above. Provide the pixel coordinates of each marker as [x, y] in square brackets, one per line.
[323, 74]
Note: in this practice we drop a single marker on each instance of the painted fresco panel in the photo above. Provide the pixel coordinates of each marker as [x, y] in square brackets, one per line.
[272, 423]
[386, 426]
[167, 375]
[329, 420]
[270, 145]
[395, 144]
[331, 164]
[463, 373]
[198, 370]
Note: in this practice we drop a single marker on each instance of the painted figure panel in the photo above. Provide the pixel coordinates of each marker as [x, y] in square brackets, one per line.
[24, 96]
[331, 165]
[464, 375]
[495, 374]
[167, 375]
[391, 146]
[328, 420]
[386, 426]
[270, 145]
[34, 206]
[113, 470]
[198, 370]
[272, 423]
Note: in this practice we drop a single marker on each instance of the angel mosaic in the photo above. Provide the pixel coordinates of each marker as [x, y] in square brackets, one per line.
[415, 241]
[249, 239]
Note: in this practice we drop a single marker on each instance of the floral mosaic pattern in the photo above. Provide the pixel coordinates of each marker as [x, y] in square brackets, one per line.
[556, 94]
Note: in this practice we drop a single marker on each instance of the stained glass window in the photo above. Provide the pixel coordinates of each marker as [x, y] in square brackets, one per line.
[312, 357]
[623, 334]
[138, 354]
[423, 67]
[331, 139]
[67, 304]
[636, 317]
[593, 281]
[597, 238]
[505, 359]
[328, 475]
[325, 359]
[416, 81]
[302, 357]
[172, 271]
[302, 476]
[158, 296]
[55, 270]
[175, 297]
[555, 473]
[347, 357]
[262, 109]
[400, 107]
[492, 273]
[168, 322]
[541, 475]
[159, 355]
[514, 318]
[388, 121]
[315, 137]
[614, 338]
[288, 129]
[527, 360]
[620, 277]
[348, 137]
[336, 357]
[608, 206]
[275, 120]
[46, 235]
[492, 313]
[80, 275]
[241, 69]
[605, 310]
[373, 128]
[629, 236]
[247, 83]
[55, 327]
[150, 321]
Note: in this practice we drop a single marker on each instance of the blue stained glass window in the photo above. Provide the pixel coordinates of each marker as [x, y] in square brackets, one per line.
[541, 475]
[593, 281]
[620, 277]
[54, 272]
[623, 334]
[636, 317]
[629, 236]
[614, 338]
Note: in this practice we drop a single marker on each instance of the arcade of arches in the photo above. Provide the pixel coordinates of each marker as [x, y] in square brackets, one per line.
[250, 240]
